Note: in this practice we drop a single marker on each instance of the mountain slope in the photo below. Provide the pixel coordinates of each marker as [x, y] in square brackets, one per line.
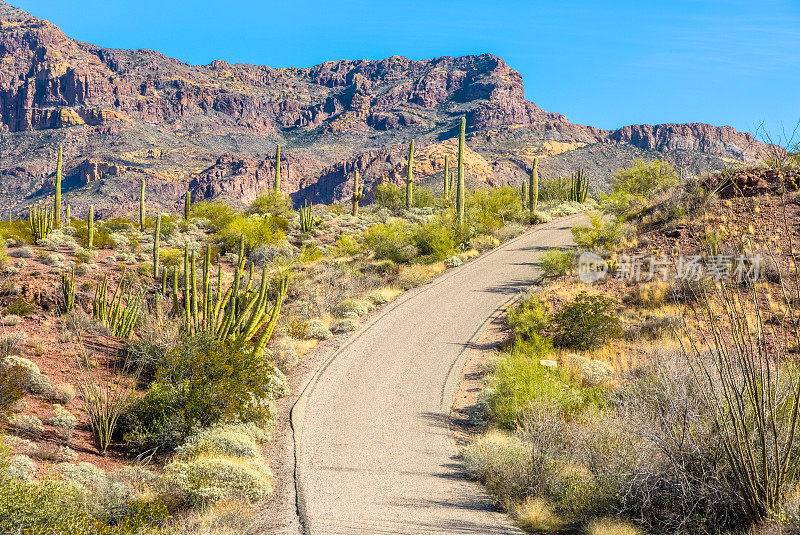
[125, 115]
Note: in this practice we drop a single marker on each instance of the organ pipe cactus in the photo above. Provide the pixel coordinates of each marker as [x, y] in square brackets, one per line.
[57, 201]
[410, 177]
[358, 193]
[90, 227]
[68, 290]
[119, 313]
[276, 187]
[40, 221]
[306, 217]
[141, 208]
[460, 187]
[156, 246]
[579, 187]
[533, 189]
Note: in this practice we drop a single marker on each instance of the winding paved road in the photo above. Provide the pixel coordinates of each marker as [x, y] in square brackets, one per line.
[374, 453]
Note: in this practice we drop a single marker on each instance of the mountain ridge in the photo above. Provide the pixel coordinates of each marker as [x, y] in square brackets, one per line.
[123, 115]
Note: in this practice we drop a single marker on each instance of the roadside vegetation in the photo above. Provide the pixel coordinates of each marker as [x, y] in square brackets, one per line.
[141, 357]
[634, 405]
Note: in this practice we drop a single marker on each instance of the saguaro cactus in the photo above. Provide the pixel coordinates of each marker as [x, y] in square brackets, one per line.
[460, 188]
[195, 320]
[69, 215]
[90, 227]
[410, 177]
[533, 189]
[358, 193]
[276, 187]
[187, 205]
[57, 202]
[445, 191]
[141, 208]
[524, 194]
[156, 246]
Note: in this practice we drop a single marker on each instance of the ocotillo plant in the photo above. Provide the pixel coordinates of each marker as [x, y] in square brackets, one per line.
[141, 208]
[68, 291]
[120, 313]
[445, 191]
[156, 246]
[276, 187]
[40, 221]
[187, 205]
[410, 177]
[57, 201]
[90, 227]
[358, 193]
[579, 188]
[306, 217]
[460, 189]
[533, 189]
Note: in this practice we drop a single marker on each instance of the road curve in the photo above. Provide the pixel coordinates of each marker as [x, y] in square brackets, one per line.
[373, 449]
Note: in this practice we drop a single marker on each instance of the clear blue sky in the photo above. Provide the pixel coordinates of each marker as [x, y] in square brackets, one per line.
[606, 64]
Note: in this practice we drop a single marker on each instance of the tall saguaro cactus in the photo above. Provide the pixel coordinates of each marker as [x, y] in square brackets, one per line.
[410, 177]
[358, 193]
[276, 187]
[460, 187]
[533, 189]
[156, 246]
[524, 194]
[69, 215]
[57, 202]
[90, 227]
[141, 208]
[445, 191]
[187, 205]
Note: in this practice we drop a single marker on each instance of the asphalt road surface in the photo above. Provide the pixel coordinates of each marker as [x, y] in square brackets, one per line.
[373, 449]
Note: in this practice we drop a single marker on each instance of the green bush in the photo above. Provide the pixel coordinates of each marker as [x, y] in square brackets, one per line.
[218, 213]
[11, 390]
[528, 318]
[487, 211]
[601, 236]
[586, 323]
[258, 230]
[207, 480]
[557, 262]
[232, 440]
[644, 178]
[391, 241]
[19, 307]
[554, 190]
[273, 203]
[346, 245]
[18, 230]
[435, 239]
[200, 382]
[390, 197]
[33, 380]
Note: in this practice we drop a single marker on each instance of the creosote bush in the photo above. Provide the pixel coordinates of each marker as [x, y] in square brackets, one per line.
[586, 323]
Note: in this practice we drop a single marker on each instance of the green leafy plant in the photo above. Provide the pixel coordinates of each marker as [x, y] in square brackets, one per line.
[586, 323]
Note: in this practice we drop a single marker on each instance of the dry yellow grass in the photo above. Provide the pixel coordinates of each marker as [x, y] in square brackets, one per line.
[535, 515]
[304, 346]
[611, 526]
[225, 517]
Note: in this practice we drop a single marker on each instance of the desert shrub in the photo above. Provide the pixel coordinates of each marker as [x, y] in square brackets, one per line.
[346, 245]
[58, 239]
[63, 420]
[11, 380]
[644, 178]
[483, 242]
[352, 308]
[503, 463]
[488, 210]
[316, 330]
[19, 307]
[33, 380]
[586, 323]
[17, 230]
[262, 256]
[284, 354]
[21, 467]
[201, 382]
[611, 526]
[411, 277]
[557, 262]
[10, 320]
[554, 190]
[536, 515]
[258, 230]
[519, 380]
[205, 481]
[218, 213]
[423, 198]
[390, 197]
[650, 295]
[528, 318]
[346, 325]
[601, 236]
[391, 241]
[230, 440]
[273, 203]
[27, 425]
[452, 262]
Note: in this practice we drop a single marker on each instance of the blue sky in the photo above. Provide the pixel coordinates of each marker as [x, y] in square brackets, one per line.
[606, 64]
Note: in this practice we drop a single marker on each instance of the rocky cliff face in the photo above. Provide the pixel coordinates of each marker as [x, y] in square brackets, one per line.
[123, 115]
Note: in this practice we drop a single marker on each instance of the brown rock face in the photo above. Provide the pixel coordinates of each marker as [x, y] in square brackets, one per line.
[120, 114]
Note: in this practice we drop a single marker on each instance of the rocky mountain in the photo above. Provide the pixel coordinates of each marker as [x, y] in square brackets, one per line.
[127, 115]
